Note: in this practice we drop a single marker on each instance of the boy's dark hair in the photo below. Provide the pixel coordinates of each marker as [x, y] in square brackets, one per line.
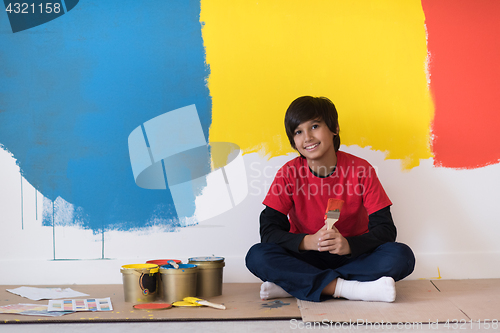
[307, 108]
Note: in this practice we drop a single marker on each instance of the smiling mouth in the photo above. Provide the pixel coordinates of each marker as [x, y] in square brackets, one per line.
[311, 147]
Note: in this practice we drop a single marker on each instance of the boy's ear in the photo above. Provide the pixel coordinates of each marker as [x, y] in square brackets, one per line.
[337, 131]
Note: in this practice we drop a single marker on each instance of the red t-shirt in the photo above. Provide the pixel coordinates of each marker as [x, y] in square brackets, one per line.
[301, 195]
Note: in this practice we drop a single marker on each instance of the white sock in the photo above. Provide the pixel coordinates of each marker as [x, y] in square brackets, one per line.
[381, 290]
[269, 290]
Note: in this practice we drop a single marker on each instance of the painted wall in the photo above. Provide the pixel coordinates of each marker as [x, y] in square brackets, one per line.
[132, 132]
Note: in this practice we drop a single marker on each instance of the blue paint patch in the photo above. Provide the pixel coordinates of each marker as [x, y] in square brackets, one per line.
[72, 90]
[274, 304]
[181, 266]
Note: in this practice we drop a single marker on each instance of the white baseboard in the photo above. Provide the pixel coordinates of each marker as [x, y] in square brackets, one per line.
[479, 265]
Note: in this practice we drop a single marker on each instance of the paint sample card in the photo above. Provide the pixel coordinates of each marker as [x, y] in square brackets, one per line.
[90, 304]
[30, 310]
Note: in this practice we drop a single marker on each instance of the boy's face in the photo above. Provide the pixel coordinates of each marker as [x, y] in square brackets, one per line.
[314, 140]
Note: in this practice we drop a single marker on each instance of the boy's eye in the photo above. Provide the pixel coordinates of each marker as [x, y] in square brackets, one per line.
[298, 132]
[315, 126]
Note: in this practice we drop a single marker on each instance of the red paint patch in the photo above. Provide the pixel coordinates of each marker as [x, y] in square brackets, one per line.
[152, 306]
[465, 81]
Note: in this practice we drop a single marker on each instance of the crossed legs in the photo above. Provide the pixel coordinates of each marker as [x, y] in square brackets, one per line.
[315, 276]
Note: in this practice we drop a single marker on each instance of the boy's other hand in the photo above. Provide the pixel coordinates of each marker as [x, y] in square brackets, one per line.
[326, 241]
[311, 242]
[332, 241]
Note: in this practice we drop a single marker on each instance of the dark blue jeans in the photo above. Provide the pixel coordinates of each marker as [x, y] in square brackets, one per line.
[304, 275]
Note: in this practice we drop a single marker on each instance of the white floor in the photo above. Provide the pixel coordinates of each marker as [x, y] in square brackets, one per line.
[228, 326]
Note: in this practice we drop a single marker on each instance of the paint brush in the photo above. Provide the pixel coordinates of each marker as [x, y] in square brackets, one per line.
[332, 213]
[174, 264]
[204, 302]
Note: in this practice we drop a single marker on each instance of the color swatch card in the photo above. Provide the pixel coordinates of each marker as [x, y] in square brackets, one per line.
[30, 310]
[90, 304]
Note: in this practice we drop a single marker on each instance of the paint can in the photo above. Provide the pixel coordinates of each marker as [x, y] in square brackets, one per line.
[209, 275]
[178, 283]
[140, 282]
[161, 262]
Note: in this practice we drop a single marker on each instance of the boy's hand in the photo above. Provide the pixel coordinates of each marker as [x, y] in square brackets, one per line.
[333, 242]
[311, 242]
[326, 241]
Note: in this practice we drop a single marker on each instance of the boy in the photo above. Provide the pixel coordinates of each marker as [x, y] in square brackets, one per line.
[358, 258]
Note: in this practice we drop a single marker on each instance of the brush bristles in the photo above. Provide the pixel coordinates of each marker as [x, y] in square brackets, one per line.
[333, 214]
[334, 204]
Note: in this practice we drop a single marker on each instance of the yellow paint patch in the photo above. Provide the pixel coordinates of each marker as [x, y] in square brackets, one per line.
[367, 56]
[222, 153]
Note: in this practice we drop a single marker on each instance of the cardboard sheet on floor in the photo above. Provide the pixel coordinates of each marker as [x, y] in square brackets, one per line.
[417, 301]
[479, 299]
[241, 300]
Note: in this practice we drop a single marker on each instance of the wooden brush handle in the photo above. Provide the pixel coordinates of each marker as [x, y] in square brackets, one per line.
[212, 305]
[330, 223]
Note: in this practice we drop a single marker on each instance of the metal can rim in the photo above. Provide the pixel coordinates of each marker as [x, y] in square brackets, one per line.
[207, 259]
[144, 268]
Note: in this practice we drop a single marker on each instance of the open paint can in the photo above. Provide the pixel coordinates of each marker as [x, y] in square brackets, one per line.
[209, 275]
[161, 262]
[178, 283]
[140, 282]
